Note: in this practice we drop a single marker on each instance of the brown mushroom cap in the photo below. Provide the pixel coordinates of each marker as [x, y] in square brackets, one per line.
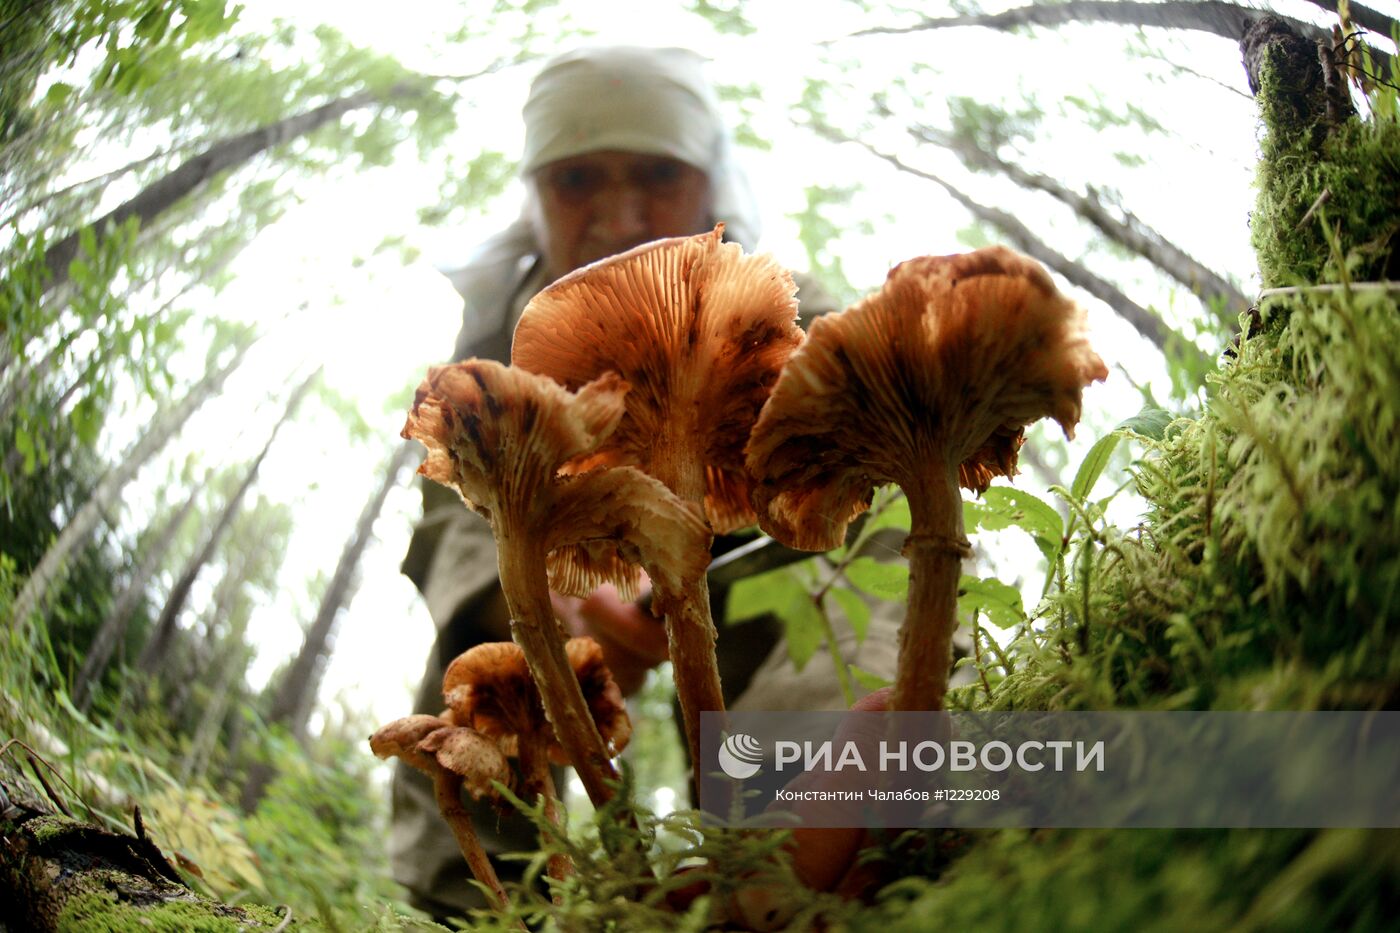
[948, 362]
[490, 688]
[499, 435]
[400, 738]
[470, 754]
[698, 329]
[429, 742]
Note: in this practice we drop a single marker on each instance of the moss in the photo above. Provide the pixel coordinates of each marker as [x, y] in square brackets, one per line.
[48, 830]
[104, 911]
[1328, 208]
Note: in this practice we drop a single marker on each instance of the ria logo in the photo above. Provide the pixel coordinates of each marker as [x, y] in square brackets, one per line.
[740, 756]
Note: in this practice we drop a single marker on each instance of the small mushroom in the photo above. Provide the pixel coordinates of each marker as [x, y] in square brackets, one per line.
[489, 687]
[700, 330]
[455, 757]
[928, 383]
[499, 435]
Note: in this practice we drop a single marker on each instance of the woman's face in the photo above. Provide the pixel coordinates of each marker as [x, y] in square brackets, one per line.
[591, 206]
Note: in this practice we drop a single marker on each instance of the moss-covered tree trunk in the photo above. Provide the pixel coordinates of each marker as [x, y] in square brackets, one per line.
[62, 874]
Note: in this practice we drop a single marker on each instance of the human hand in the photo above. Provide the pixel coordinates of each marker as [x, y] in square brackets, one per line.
[632, 639]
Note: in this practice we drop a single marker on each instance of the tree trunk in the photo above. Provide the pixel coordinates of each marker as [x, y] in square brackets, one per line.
[226, 154]
[113, 628]
[83, 522]
[1128, 232]
[234, 665]
[57, 873]
[159, 642]
[297, 688]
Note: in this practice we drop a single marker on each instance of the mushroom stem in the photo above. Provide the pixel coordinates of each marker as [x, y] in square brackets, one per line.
[936, 548]
[539, 636]
[534, 763]
[690, 627]
[447, 787]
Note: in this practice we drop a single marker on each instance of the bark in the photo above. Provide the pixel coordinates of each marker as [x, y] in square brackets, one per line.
[1363, 16]
[1145, 321]
[84, 521]
[224, 155]
[1127, 231]
[1216, 17]
[57, 873]
[159, 641]
[114, 626]
[298, 686]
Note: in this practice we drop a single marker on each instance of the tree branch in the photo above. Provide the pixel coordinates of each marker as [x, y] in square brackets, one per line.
[1127, 231]
[1216, 17]
[1145, 321]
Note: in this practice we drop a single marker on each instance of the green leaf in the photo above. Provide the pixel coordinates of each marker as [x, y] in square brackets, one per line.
[802, 629]
[886, 581]
[1006, 507]
[764, 594]
[58, 94]
[1095, 461]
[856, 609]
[999, 602]
[893, 515]
[1150, 422]
[869, 681]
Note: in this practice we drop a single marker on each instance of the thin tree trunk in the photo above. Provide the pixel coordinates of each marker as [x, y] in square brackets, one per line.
[226, 154]
[235, 664]
[113, 628]
[297, 688]
[204, 657]
[84, 521]
[1128, 231]
[159, 642]
[1145, 321]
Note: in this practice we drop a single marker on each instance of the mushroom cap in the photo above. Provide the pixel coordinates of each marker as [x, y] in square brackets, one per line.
[431, 742]
[490, 688]
[499, 434]
[602, 693]
[614, 520]
[468, 753]
[700, 332]
[400, 738]
[946, 363]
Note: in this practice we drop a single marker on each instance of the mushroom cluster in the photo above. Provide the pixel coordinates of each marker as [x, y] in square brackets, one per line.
[666, 394]
[490, 689]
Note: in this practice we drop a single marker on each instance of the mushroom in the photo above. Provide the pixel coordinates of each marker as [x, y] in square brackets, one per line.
[489, 688]
[700, 331]
[455, 757]
[499, 435]
[928, 383]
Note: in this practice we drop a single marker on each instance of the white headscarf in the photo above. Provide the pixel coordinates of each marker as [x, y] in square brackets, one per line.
[653, 101]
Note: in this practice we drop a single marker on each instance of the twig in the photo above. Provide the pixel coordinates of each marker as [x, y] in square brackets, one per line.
[285, 920]
[35, 756]
[1322, 199]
